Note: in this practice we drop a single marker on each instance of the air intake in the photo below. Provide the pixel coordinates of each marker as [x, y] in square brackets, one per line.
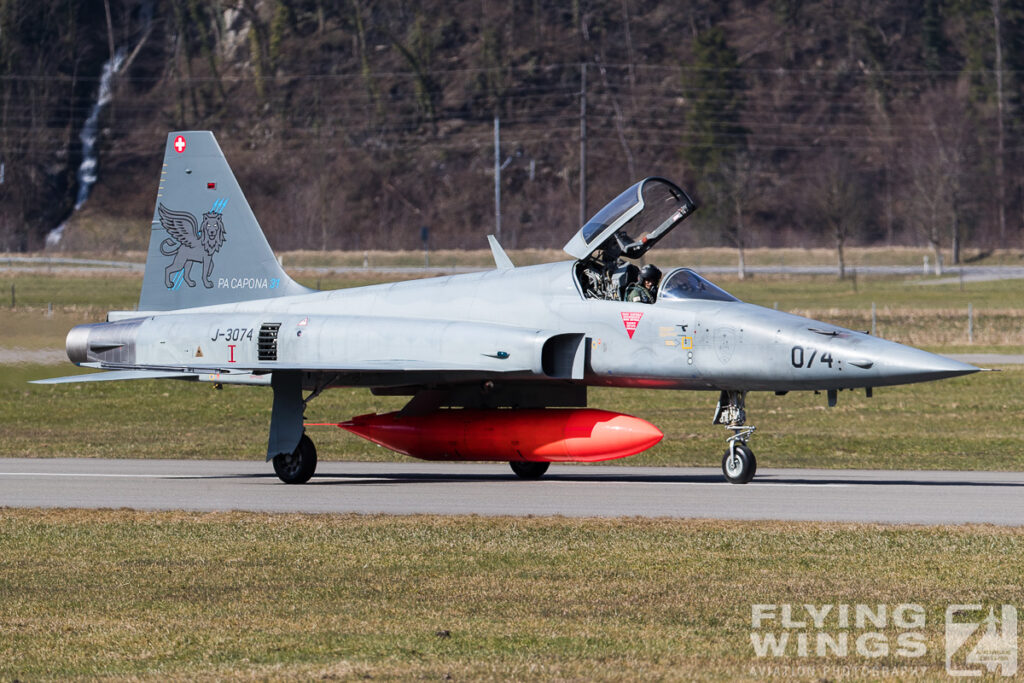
[267, 346]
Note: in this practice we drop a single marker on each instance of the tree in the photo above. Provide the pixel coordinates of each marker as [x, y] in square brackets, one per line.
[715, 142]
[735, 190]
[840, 201]
[938, 163]
[713, 88]
[418, 50]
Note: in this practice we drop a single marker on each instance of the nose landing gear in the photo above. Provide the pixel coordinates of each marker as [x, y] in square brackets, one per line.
[738, 464]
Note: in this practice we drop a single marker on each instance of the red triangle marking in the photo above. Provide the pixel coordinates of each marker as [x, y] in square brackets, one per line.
[630, 321]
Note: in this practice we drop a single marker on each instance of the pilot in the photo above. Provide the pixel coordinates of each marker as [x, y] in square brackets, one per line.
[645, 290]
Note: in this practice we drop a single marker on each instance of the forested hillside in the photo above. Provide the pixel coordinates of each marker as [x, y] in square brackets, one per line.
[352, 124]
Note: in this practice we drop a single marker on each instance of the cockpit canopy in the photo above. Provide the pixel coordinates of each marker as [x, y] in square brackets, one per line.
[649, 210]
[683, 284]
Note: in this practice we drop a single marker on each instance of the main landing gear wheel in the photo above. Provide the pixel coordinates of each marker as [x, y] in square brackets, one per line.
[529, 470]
[739, 464]
[298, 466]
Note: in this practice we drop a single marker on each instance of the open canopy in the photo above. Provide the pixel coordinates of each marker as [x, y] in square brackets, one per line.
[648, 210]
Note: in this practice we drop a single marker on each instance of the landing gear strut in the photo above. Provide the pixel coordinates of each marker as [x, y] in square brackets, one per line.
[738, 463]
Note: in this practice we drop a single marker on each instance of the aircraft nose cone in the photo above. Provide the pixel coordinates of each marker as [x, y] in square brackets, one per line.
[905, 364]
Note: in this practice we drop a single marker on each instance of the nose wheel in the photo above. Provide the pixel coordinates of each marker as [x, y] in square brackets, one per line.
[738, 464]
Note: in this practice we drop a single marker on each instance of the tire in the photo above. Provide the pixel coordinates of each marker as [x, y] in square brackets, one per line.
[529, 470]
[741, 469]
[299, 465]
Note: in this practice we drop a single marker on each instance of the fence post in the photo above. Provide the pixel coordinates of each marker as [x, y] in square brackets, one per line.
[970, 323]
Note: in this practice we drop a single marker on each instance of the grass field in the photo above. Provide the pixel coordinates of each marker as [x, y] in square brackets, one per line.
[965, 423]
[151, 596]
[226, 596]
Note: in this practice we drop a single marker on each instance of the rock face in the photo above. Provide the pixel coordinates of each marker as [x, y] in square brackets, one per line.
[356, 124]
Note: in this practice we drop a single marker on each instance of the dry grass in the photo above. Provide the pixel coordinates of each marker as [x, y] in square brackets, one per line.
[935, 316]
[933, 327]
[182, 595]
[705, 256]
[481, 256]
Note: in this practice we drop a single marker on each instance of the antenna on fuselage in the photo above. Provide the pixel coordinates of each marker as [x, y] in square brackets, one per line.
[501, 259]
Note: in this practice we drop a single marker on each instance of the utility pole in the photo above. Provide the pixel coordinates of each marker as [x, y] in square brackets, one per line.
[1000, 143]
[583, 143]
[497, 179]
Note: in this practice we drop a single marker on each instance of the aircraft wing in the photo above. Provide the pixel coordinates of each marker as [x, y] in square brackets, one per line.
[259, 373]
[114, 376]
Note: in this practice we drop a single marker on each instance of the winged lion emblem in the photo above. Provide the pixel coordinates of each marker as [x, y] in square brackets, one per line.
[191, 242]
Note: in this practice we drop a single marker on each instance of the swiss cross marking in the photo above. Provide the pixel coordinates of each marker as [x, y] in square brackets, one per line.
[179, 143]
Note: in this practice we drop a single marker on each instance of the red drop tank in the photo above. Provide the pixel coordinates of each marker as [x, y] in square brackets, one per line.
[540, 435]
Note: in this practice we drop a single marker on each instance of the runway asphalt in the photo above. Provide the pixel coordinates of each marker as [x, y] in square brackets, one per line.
[915, 497]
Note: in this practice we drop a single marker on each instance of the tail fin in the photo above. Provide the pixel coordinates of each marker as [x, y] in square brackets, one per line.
[206, 246]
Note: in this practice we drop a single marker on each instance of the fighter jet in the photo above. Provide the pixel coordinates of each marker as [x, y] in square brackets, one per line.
[496, 364]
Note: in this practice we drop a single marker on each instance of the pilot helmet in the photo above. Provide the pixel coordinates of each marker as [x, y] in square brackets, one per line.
[650, 272]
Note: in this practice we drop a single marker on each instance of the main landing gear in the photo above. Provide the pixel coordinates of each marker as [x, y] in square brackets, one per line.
[528, 469]
[287, 421]
[298, 466]
[738, 464]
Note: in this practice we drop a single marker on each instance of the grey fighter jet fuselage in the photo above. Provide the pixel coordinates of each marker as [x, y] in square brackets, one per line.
[473, 351]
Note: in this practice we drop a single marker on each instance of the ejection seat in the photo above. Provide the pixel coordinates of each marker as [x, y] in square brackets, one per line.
[629, 276]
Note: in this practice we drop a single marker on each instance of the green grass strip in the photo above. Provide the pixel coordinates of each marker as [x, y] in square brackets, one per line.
[154, 595]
